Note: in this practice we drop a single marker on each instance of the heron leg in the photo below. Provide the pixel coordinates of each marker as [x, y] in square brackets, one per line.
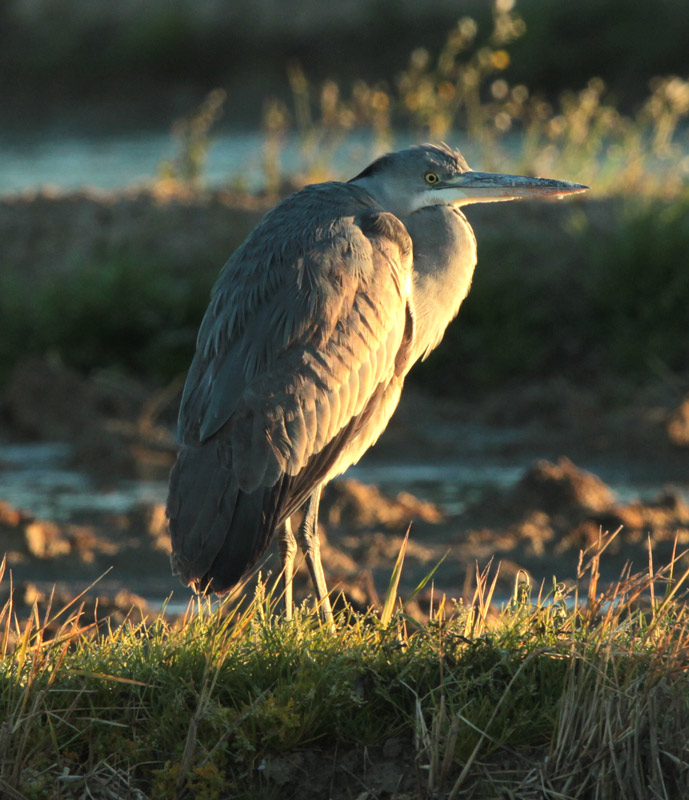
[311, 547]
[288, 550]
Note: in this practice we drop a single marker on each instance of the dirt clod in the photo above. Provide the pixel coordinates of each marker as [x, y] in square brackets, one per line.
[677, 424]
[349, 502]
[560, 488]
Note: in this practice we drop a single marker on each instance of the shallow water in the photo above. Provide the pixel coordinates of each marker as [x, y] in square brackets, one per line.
[38, 478]
[66, 162]
[41, 479]
[113, 162]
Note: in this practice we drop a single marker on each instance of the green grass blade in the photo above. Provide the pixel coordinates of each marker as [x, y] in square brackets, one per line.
[422, 584]
[391, 595]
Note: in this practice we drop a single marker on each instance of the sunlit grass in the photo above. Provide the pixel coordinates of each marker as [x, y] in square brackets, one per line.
[554, 696]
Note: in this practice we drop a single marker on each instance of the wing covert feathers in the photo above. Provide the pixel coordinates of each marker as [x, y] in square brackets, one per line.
[299, 364]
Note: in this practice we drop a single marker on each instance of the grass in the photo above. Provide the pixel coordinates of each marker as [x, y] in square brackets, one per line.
[551, 697]
[635, 282]
[598, 294]
[119, 310]
[593, 289]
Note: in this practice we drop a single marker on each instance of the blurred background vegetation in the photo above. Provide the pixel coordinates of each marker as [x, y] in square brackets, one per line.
[595, 91]
[167, 50]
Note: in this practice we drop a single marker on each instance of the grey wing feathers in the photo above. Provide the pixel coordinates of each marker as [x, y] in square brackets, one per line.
[299, 336]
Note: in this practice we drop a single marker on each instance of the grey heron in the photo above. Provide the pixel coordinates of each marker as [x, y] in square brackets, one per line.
[312, 327]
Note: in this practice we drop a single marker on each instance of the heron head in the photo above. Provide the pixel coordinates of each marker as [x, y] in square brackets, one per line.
[429, 175]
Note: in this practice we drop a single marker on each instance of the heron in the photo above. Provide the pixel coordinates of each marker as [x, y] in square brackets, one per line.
[312, 327]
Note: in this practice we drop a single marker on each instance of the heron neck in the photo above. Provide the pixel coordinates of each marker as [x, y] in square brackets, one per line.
[444, 261]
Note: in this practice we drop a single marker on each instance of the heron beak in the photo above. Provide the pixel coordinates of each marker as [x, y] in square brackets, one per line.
[489, 187]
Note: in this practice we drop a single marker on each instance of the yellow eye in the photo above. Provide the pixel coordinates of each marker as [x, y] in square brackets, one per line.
[431, 177]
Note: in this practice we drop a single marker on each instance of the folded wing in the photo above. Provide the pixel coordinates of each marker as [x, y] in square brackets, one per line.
[306, 329]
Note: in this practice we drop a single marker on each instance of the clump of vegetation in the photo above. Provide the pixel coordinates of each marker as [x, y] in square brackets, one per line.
[460, 94]
[122, 311]
[635, 281]
[192, 134]
[557, 696]
[575, 290]
[601, 296]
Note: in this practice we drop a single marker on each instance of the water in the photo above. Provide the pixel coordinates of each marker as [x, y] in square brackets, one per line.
[36, 160]
[40, 477]
[106, 162]
[113, 162]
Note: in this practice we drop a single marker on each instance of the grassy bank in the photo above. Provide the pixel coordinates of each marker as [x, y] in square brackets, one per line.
[572, 289]
[540, 700]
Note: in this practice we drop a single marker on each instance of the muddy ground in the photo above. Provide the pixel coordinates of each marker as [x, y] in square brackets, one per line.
[537, 525]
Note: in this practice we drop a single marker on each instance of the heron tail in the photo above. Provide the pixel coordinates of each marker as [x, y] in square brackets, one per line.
[218, 531]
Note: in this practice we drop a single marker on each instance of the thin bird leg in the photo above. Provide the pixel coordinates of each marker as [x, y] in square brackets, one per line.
[311, 547]
[287, 544]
